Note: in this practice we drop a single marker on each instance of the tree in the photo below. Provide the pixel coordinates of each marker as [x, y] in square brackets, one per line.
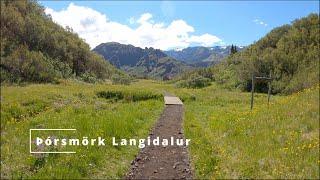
[233, 49]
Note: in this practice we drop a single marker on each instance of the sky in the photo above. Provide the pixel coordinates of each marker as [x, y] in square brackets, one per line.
[176, 24]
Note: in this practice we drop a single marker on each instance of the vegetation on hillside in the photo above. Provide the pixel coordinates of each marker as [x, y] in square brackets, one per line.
[194, 81]
[35, 49]
[121, 79]
[198, 78]
[290, 53]
[161, 69]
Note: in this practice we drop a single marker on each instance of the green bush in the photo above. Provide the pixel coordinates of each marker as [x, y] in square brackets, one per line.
[89, 77]
[116, 95]
[29, 66]
[194, 82]
[121, 79]
[62, 69]
[128, 96]
[187, 97]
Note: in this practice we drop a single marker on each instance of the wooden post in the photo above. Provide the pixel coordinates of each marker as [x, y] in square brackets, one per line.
[269, 91]
[252, 91]
[269, 88]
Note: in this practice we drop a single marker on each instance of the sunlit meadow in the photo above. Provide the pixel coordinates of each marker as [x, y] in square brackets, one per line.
[228, 140]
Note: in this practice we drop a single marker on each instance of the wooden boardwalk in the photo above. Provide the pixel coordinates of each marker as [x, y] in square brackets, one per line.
[170, 100]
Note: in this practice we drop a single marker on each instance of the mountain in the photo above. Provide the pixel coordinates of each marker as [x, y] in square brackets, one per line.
[147, 62]
[202, 56]
[35, 49]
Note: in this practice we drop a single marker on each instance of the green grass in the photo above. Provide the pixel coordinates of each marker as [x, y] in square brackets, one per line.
[228, 140]
[276, 141]
[71, 105]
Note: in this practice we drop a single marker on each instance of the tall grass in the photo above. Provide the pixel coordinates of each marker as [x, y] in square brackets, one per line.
[276, 141]
[228, 140]
[72, 105]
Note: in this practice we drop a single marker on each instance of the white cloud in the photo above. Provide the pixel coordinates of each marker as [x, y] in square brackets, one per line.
[259, 22]
[204, 40]
[144, 18]
[131, 20]
[95, 28]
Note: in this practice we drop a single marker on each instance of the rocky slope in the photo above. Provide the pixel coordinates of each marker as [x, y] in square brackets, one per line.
[143, 63]
[201, 56]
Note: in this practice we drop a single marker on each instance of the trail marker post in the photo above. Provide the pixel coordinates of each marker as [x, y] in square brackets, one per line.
[268, 79]
[252, 91]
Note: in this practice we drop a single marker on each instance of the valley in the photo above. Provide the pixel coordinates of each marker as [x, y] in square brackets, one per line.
[179, 110]
[218, 122]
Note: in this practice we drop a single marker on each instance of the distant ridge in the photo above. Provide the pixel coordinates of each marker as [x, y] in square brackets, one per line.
[146, 63]
[200, 56]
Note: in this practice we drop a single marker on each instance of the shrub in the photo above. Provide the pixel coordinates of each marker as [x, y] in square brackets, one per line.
[194, 82]
[25, 65]
[89, 77]
[187, 97]
[116, 95]
[62, 69]
[121, 79]
[128, 95]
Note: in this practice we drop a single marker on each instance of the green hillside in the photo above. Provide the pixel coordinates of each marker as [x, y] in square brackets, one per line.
[162, 68]
[35, 49]
[289, 52]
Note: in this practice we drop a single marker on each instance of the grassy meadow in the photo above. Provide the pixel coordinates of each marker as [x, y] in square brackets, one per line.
[228, 140]
[276, 141]
[72, 105]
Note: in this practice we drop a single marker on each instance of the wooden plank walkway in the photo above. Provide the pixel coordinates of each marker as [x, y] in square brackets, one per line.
[170, 100]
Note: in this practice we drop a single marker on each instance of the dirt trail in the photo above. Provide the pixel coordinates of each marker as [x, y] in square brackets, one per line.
[159, 162]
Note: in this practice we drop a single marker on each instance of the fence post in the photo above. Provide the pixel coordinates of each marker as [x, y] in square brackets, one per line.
[252, 90]
[269, 90]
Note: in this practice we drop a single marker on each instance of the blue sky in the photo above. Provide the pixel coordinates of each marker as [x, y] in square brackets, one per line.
[202, 23]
